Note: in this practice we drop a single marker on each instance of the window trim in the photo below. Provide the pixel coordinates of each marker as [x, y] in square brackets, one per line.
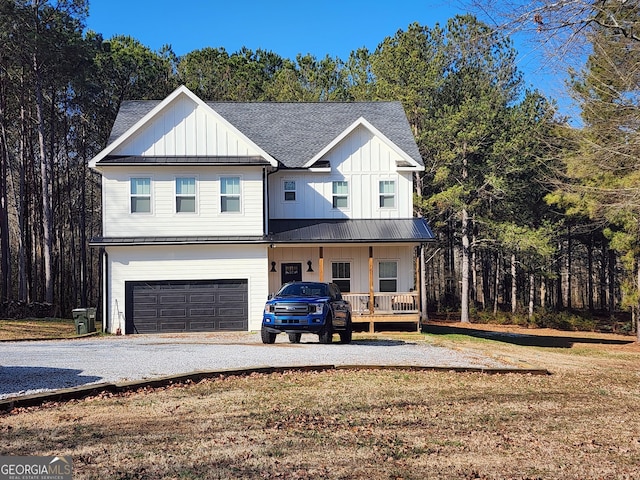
[139, 195]
[182, 195]
[285, 191]
[382, 195]
[381, 278]
[238, 195]
[339, 279]
[335, 196]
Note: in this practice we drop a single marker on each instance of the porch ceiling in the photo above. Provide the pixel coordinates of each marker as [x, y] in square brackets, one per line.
[349, 231]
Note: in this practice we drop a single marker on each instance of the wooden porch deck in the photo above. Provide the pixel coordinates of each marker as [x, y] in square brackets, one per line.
[388, 307]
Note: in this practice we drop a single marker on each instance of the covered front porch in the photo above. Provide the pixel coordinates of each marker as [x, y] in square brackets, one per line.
[375, 262]
[382, 283]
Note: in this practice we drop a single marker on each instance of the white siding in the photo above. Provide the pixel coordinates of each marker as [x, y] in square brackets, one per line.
[361, 159]
[163, 219]
[185, 128]
[357, 256]
[193, 262]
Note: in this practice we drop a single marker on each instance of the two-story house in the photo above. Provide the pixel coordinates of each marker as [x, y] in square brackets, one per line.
[210, 206]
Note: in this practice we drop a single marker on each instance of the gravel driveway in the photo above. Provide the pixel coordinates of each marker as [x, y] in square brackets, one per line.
[32, 367]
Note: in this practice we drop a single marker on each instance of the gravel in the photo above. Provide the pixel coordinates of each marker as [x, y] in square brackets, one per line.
[41, 366]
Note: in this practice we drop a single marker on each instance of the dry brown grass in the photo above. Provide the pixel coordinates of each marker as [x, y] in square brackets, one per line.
[36, 329]
[581, 422]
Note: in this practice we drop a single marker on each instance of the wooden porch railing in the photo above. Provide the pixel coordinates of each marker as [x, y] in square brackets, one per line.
[383, 303]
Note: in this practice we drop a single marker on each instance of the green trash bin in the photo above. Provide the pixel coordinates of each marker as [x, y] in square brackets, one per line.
[85, 320]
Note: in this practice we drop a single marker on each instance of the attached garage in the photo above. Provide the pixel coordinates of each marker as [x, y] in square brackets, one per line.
[186, 306]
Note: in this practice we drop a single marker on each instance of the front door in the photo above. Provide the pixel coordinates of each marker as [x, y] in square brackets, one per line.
[291, 272]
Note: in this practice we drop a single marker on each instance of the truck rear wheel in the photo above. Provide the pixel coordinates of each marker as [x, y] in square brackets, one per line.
[294, 337]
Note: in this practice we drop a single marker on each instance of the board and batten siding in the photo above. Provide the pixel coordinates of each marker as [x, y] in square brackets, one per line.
[163, 221]
[361, 159]
[185, 128]
[187, 262]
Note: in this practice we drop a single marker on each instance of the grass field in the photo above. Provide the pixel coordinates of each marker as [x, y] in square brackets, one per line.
[37, 329]
[580, 422]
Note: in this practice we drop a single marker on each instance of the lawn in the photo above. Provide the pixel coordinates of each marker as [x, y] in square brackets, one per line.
[580, 422]
[37, 329]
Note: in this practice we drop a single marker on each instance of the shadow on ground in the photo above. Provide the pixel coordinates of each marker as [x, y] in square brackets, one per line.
[529, 340]
[16, 379]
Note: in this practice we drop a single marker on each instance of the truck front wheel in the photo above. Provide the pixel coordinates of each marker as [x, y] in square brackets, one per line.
[326, 335]
[267, 336]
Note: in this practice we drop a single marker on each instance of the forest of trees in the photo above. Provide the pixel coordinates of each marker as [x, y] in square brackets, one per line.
[532, 215]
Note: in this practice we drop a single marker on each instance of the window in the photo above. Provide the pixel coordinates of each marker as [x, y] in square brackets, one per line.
[230, 194]
[341, 275]
[140, 195]
[289, 191]
[340, 194]
[388, 276]
[186, 195]
[387, 194]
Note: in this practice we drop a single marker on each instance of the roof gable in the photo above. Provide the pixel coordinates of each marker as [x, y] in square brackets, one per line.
[180, 125]
[295, 135]
[362, 122]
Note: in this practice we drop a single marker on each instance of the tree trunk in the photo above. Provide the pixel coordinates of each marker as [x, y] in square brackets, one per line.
[532, 294]
[45, 178]
[5, 247]
[496, 286]
[464, 294]
[514, 286]
[569, 276]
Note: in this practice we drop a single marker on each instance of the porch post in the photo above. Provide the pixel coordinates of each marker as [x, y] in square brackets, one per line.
[371, 296]
[423, 287]
[321, 264]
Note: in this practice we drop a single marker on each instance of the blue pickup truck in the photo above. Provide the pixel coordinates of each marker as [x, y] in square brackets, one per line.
[307, 307]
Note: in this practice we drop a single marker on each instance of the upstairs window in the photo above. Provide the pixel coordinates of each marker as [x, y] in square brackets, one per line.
[387, 194]
[230, 194]
[186, 195]
[140, 194]
[388, 276]
[289, 191]
[340, 194]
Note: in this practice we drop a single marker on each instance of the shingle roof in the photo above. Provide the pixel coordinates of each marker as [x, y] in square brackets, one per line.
[293, 133]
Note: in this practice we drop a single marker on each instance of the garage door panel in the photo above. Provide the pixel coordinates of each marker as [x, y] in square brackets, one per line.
[186, 306]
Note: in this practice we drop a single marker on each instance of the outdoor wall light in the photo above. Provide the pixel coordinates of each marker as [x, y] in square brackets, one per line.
[273, 266]
[309, 269]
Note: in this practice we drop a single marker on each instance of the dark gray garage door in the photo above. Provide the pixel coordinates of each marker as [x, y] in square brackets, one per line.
[186, 306]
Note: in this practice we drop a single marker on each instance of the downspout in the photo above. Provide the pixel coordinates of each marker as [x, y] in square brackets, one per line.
[105, 290]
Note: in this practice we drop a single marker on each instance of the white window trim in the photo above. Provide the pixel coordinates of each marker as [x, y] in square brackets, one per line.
[131, 195]
[396, 278]
[284, 190]
[343, 260]
[348, 195]
[240, 195]
[175, 195]
[395, 194]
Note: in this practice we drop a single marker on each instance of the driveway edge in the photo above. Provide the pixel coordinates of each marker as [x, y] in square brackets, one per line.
[76, 393]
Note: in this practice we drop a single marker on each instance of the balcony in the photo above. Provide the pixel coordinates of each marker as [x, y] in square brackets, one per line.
[388, 307]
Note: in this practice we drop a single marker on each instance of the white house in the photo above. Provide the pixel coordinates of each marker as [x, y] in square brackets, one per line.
[208, 207]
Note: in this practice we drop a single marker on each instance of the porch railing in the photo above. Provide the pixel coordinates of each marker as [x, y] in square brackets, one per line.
[383, 303]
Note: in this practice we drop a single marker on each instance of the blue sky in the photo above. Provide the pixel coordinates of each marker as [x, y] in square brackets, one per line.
[288, 27]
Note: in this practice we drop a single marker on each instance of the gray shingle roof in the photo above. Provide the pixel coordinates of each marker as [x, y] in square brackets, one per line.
[293, 133]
